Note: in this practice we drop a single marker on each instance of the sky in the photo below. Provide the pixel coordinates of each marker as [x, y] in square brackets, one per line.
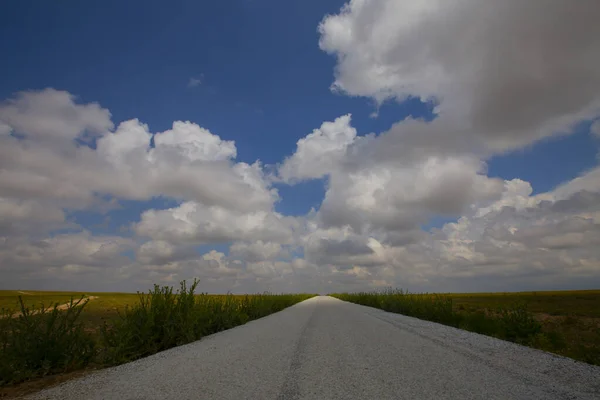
[261, 145]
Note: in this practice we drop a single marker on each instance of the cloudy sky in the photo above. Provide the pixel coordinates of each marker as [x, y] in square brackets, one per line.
[300, 146]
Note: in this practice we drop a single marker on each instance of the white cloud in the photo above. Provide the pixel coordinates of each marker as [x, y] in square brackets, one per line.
[51, 254]
[588, 181]
[382, 188]
[187, 162]
[19, 217]
[594, 129]
[269, 269]
[374, 189]
[519, 241]
[51, 115]
[510, 74]
[502, 74]
[193, 82]
[193, 223]
[257, 251]
[190, 141]
[318, 153]
[396, 197]
[160, 252]
[5, 129]
[42, 174]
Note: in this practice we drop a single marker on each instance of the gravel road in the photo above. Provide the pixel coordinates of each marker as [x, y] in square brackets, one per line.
[324, 348]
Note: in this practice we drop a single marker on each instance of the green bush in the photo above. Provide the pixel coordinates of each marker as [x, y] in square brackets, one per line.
[43, 342]
[479, 322]
[431, 307]
[519, 325]
[160, 320]
[163, 319]
[515, 324]
[37, 343]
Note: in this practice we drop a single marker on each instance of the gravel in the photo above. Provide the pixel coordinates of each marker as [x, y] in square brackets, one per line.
[324, 348]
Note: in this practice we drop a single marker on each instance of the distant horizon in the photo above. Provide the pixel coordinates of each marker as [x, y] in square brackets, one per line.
[318, 294]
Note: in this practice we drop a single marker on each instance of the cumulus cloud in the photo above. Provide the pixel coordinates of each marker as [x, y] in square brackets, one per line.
[370, 188]
[257, 251]
[64, 252]
[395, 197]
[594, 129]
[219, 272]
[501, 74]
[186, 162]
[51, 115]
[47, 170]
[157, 252]
[193, 223]
[511, 73]
[26, 217]
[318, 153]
[190, 141]
[521, 241]
[5, 129]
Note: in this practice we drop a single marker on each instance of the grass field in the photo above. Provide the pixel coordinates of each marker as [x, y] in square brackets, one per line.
[9, 299]
[104, 306]
[566, 323]
[106, 329]
[577, 303]
[563, 322]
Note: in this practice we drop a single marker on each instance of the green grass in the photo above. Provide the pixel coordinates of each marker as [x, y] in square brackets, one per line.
[37, 344]
[580, 303]
[163, 319]
[9, 299]
[114, 327]
[565, 323]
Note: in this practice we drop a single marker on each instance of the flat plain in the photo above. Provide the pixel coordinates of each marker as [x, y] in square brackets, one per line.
[571, 316]
[324, 348]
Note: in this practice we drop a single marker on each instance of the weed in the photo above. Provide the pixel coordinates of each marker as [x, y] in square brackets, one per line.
[518, 324]
[37, 343]
[46, 341]
[163, 319]
[514, 323]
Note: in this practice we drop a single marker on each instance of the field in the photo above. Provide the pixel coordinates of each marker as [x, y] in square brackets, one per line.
[103, 306]
[113, 328]
[104, 329]
[578, 303]
[563, 322]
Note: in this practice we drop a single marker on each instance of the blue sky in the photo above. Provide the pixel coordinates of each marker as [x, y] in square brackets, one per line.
[261, 89]
[254, 72]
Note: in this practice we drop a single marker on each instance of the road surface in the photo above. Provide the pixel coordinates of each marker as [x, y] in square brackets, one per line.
[324, 348]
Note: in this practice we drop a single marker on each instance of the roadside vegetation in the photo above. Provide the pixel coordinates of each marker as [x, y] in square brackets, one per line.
[109, 329]
[565, 323]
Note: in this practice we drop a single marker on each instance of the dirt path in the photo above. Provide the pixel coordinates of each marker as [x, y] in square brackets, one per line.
[66, 305]
[60, 307]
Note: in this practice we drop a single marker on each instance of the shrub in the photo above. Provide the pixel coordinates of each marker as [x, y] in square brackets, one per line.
[432, 307]
[480, 322]
[37, 343]
[518, 324]
[515, 324]
[163, 319]
[160, 320]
